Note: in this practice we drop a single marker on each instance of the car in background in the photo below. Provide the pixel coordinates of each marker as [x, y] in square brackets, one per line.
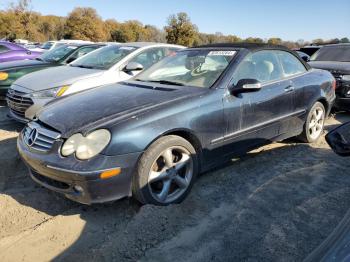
[110, 64]
[49, 45]
[150, 136]
[11, 52]
[11, 71]
[336, 59]
[310, 49]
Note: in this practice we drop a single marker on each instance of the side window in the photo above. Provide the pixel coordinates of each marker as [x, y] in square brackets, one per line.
[81, 52]
[263, 66]
[3, 49]
[149, 57]
[169, 51]
[290, 64]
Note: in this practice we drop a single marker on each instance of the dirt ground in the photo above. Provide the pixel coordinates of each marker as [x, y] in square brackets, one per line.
[277, 203]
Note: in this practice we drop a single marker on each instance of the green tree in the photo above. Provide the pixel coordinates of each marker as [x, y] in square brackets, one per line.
[318, 41]
[84, 23]
[344, 40]
[274, 41]
[254, 40]
[180, 30]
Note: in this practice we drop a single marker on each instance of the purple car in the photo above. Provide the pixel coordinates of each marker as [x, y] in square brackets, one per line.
[11, 52]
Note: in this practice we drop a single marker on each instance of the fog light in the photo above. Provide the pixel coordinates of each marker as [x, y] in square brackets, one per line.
[3, 76]
[110, 173]
[78, 189]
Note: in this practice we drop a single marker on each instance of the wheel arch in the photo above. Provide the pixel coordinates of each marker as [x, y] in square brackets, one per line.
[186, 134]
[325, 103]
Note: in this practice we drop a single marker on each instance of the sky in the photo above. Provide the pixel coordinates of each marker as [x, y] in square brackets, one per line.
[289, 20]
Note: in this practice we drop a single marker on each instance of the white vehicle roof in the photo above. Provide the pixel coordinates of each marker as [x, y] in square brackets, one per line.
[150, 44]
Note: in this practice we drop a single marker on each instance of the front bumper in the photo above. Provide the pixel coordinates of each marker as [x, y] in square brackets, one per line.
[22, 108]
[79, 180]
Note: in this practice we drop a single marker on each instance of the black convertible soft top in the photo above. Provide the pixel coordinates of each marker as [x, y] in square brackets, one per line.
[254, 47]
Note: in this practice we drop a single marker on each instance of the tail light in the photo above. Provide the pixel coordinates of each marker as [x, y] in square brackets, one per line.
[334, 84]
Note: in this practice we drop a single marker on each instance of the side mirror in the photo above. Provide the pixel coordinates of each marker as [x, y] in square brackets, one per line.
[339, 139]
[245, 86]
[133, 66]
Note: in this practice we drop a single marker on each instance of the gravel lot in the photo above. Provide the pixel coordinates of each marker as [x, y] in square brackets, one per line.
[275, 204]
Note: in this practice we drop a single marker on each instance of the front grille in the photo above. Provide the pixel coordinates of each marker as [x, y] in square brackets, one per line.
[38, 137]
[49, 181]
[17, 102]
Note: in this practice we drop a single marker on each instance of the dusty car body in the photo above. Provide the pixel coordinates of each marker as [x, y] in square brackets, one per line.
[190, 112]
[12, 52]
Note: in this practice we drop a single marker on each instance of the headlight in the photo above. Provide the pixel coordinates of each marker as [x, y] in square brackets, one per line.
[52, 92]
[346, 77]
[86, 147]
[3, 76]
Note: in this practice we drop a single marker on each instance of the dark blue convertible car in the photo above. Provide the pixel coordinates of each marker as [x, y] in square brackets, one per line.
[149, 137]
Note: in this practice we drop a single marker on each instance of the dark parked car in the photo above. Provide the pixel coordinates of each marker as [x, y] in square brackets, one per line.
[11, 71]
[151, 136]
[336, 59]
[11, 52]
[310, 49]
[337, 245]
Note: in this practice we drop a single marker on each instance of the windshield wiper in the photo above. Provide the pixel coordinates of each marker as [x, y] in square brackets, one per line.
[83, 66]
[164, 82]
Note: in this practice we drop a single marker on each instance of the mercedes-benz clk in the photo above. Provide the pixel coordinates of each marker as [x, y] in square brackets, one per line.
[149, 137]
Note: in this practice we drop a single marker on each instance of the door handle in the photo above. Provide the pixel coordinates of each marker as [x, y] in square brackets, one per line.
[289, 89]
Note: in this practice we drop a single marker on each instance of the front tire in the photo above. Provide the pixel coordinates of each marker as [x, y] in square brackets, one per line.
[165, 172]
[314, 124]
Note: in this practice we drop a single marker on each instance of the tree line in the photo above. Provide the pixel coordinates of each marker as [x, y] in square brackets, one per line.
[18, 21]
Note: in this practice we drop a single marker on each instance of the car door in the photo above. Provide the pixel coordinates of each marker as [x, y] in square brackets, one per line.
[294, 70]
[146, 58]
[264, 114]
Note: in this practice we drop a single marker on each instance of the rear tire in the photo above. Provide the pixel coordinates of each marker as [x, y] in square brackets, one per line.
[165, 172]
[314, 124]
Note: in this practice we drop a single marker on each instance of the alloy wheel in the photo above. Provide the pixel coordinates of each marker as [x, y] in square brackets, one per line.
[316, 122]
[171, 174]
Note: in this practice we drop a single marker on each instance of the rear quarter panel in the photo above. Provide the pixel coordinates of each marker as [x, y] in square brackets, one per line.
[317, 87]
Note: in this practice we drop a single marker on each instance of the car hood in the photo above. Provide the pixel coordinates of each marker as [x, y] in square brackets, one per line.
[21, 64]
[334, 67]
[55, 77]
[107, 105]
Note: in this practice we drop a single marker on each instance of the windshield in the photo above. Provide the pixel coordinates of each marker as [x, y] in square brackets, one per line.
[332, 53]
[58, 53]
[104, 58]
[200, 68]
[47, 45]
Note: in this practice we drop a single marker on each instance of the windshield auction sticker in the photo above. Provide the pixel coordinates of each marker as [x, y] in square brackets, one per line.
[222, 53]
